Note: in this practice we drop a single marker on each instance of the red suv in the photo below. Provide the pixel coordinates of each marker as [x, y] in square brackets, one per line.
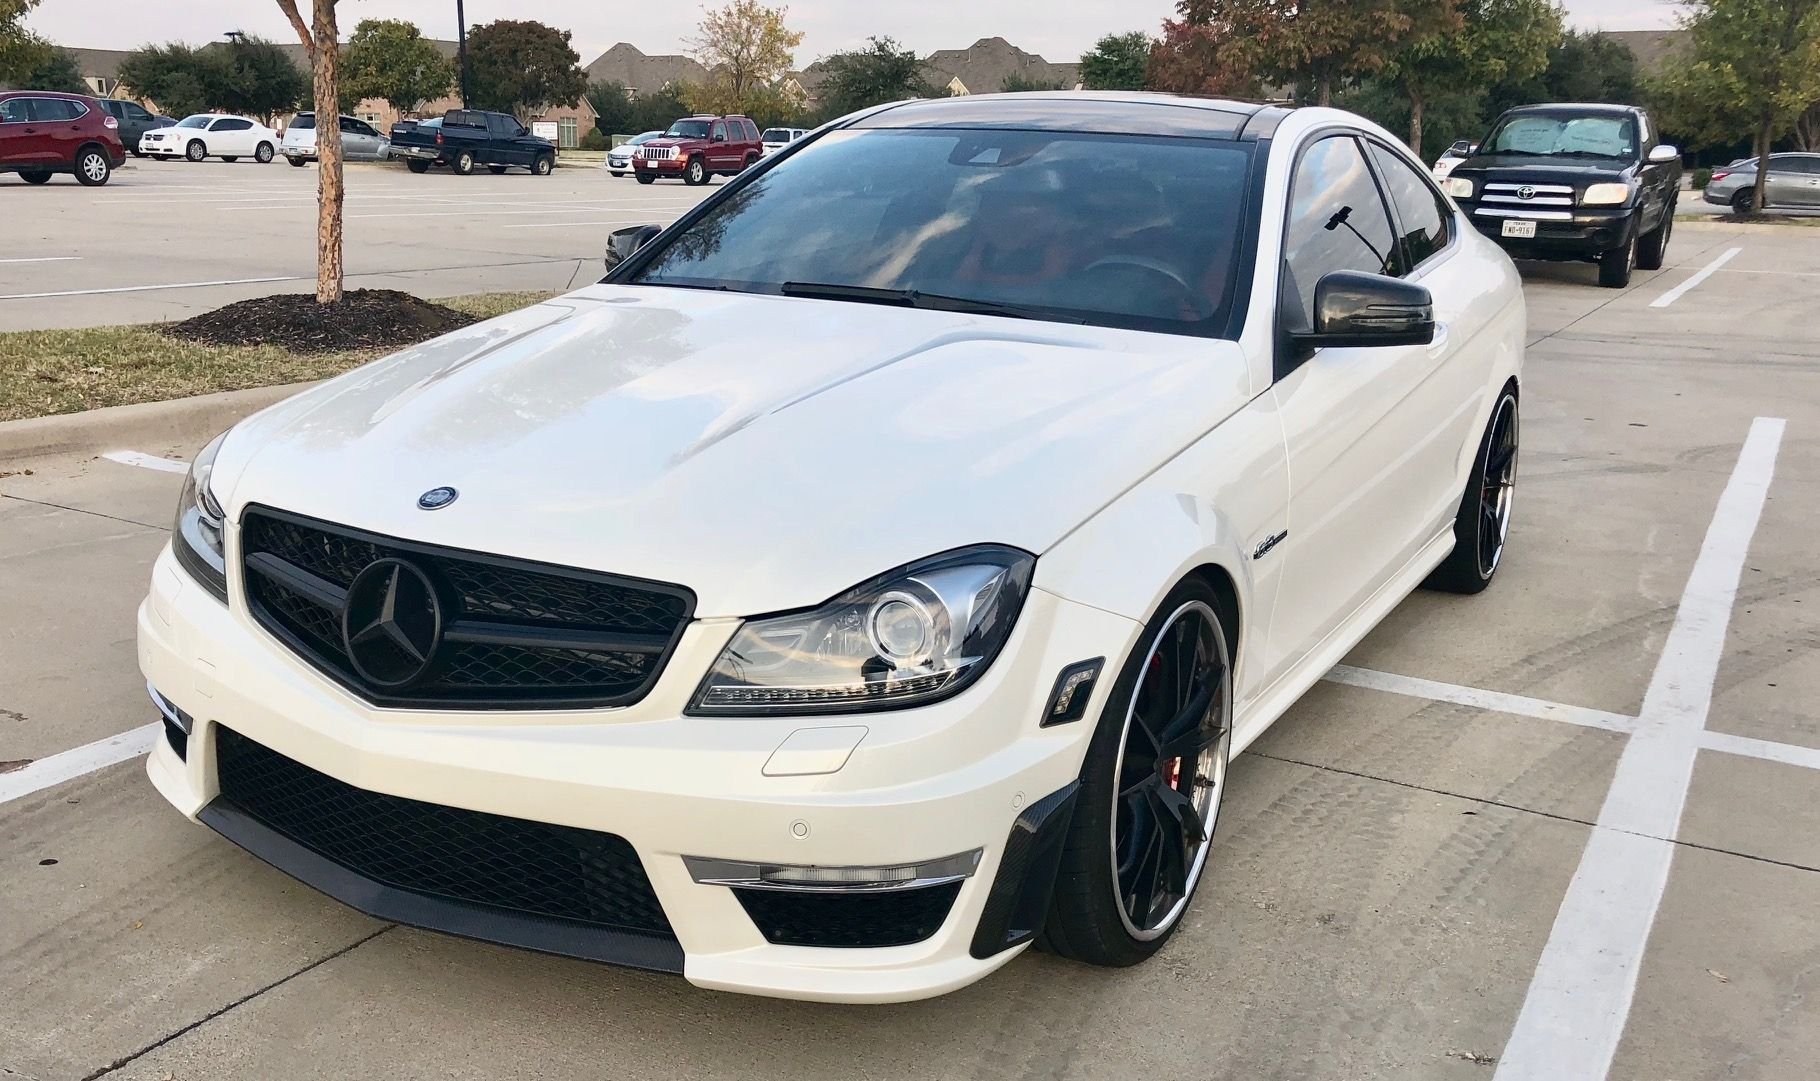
[697, 147]
[43, 133]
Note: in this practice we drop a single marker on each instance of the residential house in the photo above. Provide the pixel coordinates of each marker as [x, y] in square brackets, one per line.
[989, 63]
[642, 74]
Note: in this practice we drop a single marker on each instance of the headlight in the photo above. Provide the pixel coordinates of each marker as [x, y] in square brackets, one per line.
[907, 638]
[196, 534]
[1606, 195]
[1457, 186]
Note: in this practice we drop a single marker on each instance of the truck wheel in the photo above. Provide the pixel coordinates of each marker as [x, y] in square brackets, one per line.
[298, 162]
[463, 163]
[1652, 249]
[417, 165]
[695, 173]
[496, 169]
[196, 151]
[646, 178]
[543, 166]
[1615, 265]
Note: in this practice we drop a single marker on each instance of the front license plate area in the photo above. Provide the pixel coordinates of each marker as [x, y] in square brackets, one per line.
[1520, 228]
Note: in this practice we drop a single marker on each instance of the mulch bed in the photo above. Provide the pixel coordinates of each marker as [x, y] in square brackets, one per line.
[365, 319]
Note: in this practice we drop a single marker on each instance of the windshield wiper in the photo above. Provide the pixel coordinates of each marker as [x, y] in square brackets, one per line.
[916, 298]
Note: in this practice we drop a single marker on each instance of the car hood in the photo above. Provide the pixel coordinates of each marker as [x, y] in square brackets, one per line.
[1526, 169]
[766, 452]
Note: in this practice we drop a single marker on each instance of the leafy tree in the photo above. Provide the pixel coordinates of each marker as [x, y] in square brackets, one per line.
[1487, 41]
[523, 67]
[861, 78]
[747, 50]
[655, 112]
[1117, 62]
[321, 39]
[254, 76]
[21, 51]
[1203, 53]
[58, 70]
[614, 111]
[392, 60]
[1752, 65]
[765, 104]
[1018, 83]
[180, 78]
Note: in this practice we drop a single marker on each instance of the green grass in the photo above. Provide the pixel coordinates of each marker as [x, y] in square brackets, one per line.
[44, 372]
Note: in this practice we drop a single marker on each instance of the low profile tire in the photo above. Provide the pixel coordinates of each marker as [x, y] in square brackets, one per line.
[646, 178]
[1482, 524]
[463, 163]
[417, 165]
[263, 153]
[92, 167]
[195, 151]
[695, 174]
[543, 166]
[496, 170]
[298, 162]
[1150, 790]
[35, 178]
[1653, 249]
[1615, 265]
[1744, 201]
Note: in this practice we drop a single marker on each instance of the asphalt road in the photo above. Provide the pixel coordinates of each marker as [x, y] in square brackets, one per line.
[1454, 860]
[167, 240]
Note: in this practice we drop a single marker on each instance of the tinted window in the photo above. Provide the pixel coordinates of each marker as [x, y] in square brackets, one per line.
[198, 121]
[13, 111]
[719, 132]
[1131, 231]
[1420, 210]
[751, 131]
[1803, 165]
[777, 135]
[1337, 221]
[1564, 135]
[231, 124]
[350, 126]
[52, 109]
[689, 129]
[304, 122]
[136, 113]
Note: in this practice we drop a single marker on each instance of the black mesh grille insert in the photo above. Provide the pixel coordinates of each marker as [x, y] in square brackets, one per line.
[514, 634]
[891, 918]
[532, 868]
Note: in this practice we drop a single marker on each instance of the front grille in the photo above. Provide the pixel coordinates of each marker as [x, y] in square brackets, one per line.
[1540, 195]
[508, 633]
[444, 853]
[848, 920]
[658, 153]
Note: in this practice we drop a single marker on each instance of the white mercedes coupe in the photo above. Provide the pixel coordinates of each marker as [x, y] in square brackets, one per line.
[875, 573]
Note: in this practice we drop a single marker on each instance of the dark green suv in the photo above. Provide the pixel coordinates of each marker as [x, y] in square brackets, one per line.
[134, 122]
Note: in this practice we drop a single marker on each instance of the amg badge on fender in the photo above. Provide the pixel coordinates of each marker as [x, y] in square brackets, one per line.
[1269, 542]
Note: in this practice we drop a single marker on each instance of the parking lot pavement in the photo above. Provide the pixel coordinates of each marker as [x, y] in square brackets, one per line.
[166, 240]
[1441, 864]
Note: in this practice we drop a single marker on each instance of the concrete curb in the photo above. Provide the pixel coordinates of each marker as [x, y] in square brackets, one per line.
[149, 426]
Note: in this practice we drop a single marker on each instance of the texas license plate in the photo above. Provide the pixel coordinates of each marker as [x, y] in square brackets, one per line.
[1519, 228]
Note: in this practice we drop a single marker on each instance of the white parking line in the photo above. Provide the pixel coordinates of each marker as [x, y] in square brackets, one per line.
[147, 461]
[1705, 272]
[1479, 699]
[1580, 996]
[1785, 753]
[147, 288]
[47, 259]
[86, 759]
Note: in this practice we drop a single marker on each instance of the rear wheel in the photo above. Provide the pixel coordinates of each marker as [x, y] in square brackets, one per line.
[92, 167]
[543, 166]
[1652, 249]
[263, 153]
[1744, 200]
[1615, 265]
[35, 177]
[298, 162]
[417, 165]
[195, 151]
[1150, 790]
[1482, 523]
[463, 163]
[695, 173]
[496, 169]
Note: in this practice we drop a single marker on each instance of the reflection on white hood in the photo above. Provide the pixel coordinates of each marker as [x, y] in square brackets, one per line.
[766, 452]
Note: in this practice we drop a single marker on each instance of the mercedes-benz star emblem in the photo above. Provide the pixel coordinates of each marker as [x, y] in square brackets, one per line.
[1526, 192]
[391, 623]
[437, 498]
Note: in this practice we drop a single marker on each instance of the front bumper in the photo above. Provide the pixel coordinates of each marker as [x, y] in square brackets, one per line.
[661, 166]
[1580, 233]
[915, 785]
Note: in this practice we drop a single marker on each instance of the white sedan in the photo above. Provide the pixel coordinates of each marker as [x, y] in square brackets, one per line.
[619, 159]
[212, 135]
[872, 577]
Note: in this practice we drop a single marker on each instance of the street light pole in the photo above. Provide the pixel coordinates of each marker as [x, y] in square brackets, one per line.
[461, 50]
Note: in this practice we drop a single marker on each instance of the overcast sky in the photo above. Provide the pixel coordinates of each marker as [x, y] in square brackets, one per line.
[1057, 29]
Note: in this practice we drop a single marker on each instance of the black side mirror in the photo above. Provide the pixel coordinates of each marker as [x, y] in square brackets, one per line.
[1357, 309]
[621, 243]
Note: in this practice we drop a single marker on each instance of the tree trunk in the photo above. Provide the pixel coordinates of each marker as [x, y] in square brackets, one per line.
[1323, 88]
[1415, 122]
[328, 154]
[1765, 136]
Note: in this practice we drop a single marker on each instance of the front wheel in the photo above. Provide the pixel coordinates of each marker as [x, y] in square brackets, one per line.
[1615, 265]
[1482, 523]
[696, 173]
[1653, 249]
[464, 163]
[298, 162]
[646, 178]
[1150, 788]
[195, 151]
[92, 167]
[417, 165]
[263, 153]
[543, 166]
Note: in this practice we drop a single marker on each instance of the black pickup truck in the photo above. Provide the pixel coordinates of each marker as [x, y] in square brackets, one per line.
[1570, 181]
[464, 138]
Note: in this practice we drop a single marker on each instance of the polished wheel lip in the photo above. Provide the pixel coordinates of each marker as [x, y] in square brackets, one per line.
[1211, 764]
[1497, 486]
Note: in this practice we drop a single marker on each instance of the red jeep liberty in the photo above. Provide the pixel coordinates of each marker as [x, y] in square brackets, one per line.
[697, 147]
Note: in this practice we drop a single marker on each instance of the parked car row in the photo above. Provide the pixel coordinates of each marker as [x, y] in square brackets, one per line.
[461, 139]
[43, 133]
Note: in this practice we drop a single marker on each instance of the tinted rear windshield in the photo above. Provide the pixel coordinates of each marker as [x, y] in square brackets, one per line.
[689, 129]
[304, 122]
[1563, 135]
[777, 135]
[1115, 230]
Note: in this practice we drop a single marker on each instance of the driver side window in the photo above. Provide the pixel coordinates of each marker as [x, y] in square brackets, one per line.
[1337, 221]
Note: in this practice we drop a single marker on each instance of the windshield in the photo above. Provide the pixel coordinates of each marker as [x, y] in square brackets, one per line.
[689, 129]
[195, 121]
[303, 122]
[644, 138]
[1564, 135]
[1129, 231]
[776, 135]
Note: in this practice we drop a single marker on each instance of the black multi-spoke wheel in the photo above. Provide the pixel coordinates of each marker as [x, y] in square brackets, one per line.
[1150, 789]
[1483, 524]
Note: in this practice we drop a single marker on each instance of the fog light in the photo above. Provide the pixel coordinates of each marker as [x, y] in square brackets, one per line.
[775, 876]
